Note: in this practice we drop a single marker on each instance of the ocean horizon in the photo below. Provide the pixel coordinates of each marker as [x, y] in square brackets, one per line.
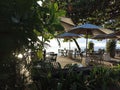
[72, 46]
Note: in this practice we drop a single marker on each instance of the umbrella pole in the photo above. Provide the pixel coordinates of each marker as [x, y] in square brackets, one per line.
[106, 42]
[77, 45]
[69, 45]
[86, 44]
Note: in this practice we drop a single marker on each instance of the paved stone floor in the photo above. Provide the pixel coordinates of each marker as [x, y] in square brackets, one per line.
[66, 60]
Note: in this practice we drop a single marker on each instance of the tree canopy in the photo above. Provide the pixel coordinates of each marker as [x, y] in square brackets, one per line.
[22, 21]
[99, 12]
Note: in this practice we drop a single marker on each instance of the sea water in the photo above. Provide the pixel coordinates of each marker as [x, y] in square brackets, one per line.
[54, 46]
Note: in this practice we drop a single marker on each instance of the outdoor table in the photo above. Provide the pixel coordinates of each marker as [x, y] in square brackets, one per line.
[70, 53]
[95, 56]
[63, 52]
[106, 57]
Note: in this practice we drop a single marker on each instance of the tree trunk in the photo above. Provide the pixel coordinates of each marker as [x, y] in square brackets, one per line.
[77, 45]
[81, 53]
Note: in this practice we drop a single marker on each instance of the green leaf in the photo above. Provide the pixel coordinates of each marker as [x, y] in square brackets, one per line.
[56, 6]
[40, 54]
[36, 32]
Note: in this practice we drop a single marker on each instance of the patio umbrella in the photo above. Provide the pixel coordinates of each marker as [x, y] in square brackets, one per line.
[89, 29]
[117, 33]
[68, 35]
[105, 36]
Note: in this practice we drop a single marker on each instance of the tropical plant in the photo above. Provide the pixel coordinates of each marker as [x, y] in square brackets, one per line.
[42, 73]
[105, 12]
[110, 47]
[21, 22]
[74, 78]
[91, 46]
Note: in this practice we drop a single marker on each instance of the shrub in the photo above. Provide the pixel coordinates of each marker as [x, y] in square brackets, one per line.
[110, 47]
[91, 46]
[74, 78]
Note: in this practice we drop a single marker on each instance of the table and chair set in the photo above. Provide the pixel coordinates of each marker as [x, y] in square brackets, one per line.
[99, 56]
[96, 56]
[73, 54]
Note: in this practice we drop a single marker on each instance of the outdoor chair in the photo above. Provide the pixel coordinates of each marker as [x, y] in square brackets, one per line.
[78, 53]
[62, 52]
[51, 57]
[96, 57]
[118, 52]
[70, 53]
[81, 55]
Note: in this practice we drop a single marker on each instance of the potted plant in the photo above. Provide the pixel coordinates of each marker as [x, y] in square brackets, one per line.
[91, 46]
[110, 48]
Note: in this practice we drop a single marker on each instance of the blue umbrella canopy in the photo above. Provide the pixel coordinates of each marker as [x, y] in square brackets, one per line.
[68, 35]
[88, 26]
[105, 36]
[89, 29]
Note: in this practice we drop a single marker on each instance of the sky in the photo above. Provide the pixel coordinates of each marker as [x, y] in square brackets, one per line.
[40, 3]
[82, 43]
